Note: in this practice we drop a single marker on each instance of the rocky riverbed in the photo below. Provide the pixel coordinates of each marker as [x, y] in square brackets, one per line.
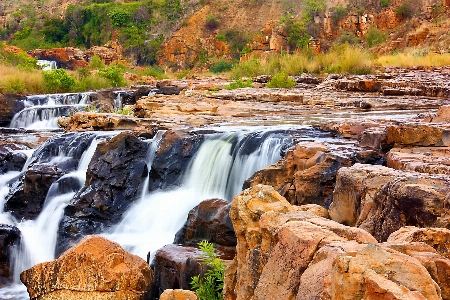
[354, 207]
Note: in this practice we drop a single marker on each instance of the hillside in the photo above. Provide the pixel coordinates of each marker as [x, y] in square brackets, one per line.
[197, 34]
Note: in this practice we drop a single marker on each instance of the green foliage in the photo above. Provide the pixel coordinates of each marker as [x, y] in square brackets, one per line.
[22, 34]
[58, 81]
[96, 63]
[126, 111]
[405, 10]
[156, 72]
[297, 36]
[347, 37]
[221, 37]
[114, 73]
[281, 80]
[238, 84]
[55, 30]
[385, 3]
[212, 22]
[375, 37]
[20, 60]
[173, 9]
[221, 66]
[119, 16]
[238, 40]
[338, 13]
[210, 286]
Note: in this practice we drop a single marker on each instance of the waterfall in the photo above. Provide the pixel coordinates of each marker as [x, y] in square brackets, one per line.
[118, 101]
[217, 170]
[47, 65]
[42, 111]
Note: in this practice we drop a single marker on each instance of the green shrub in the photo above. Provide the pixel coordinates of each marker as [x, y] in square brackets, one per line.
[210, 285]
[281, 80]
[297, 36]
[238, 84]
[221, 66]
[221, 37]
[338, 13]
[114, 73]
[406, 10]
[385, 3]
[347, 37]
[156, 72]
[375, 37]
[119, 17]
[126, 111]
[57, 81]
[212, 22]
[96, 63]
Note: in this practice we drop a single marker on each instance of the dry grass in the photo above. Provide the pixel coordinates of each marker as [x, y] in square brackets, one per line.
[415, 59]
[16, 80]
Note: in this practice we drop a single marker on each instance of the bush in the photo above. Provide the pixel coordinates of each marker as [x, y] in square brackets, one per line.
[96, 63]
[210, 285]
[221, 66]
[297, 36]
[347, 37]
[57, 81]
[406, 10]
[385, 3]
[114, 73]
[238, 84]
[119, 17]
[375, 37]
[339, 12]
[212, 22]
[281, 80]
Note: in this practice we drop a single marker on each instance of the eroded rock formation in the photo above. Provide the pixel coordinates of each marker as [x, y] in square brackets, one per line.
[94, 269]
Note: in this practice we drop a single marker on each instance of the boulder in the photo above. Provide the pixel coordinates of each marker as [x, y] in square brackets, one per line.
[307, 174]
[94, 269]
[418, 134]
[9, 237]
[433, 160]
[174, 267]
[28, 193]
[10, 159]
[113, 181]
[208, 221]
[170, 294]
[443, 115]
[382, 200]
[10, 104]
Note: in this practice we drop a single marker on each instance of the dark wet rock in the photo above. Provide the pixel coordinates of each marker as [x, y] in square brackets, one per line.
[169, 87]
[114, 180]
[9, 237]
[10, 159]
[208, 221]
[172, 159]
[27, 194]
[10, 104]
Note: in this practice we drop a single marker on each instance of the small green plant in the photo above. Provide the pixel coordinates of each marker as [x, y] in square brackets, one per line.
[347, 37]
[238, 84]
[221, 66]
[58, 81]
[385, 3]
[126, 111]
[90, 108]
[114, 73]
[96, 63]
[281, 80]
[210, 285]
[221, 37]
[212, 22]
[375, 37]
[339, 12]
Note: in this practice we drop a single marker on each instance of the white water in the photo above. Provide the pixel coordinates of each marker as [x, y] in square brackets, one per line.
[47, 65]
[215, 172]
[42, 111]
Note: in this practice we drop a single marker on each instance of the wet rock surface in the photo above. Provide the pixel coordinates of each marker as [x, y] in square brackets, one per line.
[9, 237]
[113, 181]
[94, 269]
[10, 105]
[11, 159]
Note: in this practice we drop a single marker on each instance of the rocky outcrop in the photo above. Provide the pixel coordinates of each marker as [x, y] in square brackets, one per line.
[10, 104]
[10, 159]
[418, 134]
[171, 294]
[208, 221]
[285, 254]
[433, 160]
[94, 269]
[82, 121]
[382, 200]
[9, 237]
[174, 267]
[172, 159]
[27, 194]
[113, 181]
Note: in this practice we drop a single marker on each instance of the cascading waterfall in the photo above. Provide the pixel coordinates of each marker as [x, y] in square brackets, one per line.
[42, 112]
[218, 170]
[38, 237]
[47, 65]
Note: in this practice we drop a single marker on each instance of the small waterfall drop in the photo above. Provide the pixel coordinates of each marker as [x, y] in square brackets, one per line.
[47, 65]
[42, 111]
[153, 221]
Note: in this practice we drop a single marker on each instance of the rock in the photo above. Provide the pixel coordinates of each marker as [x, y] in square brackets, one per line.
[382, 200]
[94, 269]
[443, 115]
[170, 294]
[410, 134]
[10, 104]
[10, 159]
[103, 121]
[314, 209]
[174, 267]
[433, 160]
[27, 194]
[438, 238]
[208, 221]
[9, 237]
[172, 159]
[276, 243]
[168, 87]
[306, 175]
[67, 58]
[113, 181]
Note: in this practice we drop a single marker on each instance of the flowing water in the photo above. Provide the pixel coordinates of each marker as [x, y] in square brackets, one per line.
[43, 111]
